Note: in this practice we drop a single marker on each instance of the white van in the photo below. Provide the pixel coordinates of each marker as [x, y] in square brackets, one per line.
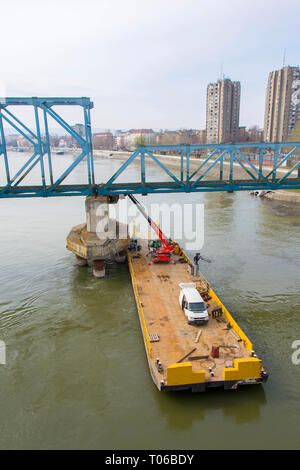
[192, 304]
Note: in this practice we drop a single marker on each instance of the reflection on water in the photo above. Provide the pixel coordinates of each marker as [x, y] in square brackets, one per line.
[76, 373]
[288, 211]
[239, 407]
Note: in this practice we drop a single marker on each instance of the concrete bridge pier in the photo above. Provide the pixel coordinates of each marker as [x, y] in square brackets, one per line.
[80, 261]
[100, 238]
[121, 257]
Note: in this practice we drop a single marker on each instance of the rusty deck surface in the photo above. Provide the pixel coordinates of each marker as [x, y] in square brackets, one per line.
[158, 290]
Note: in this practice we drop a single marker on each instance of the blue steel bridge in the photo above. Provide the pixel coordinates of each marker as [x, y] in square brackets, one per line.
[215, 172]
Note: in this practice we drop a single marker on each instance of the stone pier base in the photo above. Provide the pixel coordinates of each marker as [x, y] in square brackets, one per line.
[92, 243]
[80, 261]
[121, 256]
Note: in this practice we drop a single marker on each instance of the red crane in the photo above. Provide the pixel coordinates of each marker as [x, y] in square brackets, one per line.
[163, 253]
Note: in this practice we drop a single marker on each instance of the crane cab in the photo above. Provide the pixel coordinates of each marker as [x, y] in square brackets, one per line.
[160, 253]
[154, 244]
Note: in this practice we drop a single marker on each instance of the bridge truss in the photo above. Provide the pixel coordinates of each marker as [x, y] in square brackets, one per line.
[214, 171]
[39, 140]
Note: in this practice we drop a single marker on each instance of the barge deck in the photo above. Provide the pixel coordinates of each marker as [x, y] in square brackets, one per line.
[180, 355]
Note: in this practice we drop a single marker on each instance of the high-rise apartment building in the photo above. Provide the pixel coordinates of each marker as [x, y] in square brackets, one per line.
[223, 111]
[282, 107]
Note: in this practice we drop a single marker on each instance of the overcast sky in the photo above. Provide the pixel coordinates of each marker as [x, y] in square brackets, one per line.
[146, 63]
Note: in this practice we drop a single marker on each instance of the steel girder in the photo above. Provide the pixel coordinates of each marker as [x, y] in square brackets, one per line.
[217, 157]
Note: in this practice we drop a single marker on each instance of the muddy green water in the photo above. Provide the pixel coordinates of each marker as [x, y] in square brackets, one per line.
[76, 374]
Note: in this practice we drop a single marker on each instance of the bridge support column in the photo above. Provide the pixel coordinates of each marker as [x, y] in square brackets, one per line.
[97, 214]
[121, 256]
[99, 268]
[100, 238]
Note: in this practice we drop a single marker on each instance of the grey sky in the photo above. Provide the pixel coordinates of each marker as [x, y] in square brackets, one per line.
[146, 63]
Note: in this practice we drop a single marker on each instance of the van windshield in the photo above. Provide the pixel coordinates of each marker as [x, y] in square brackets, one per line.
[197, 306]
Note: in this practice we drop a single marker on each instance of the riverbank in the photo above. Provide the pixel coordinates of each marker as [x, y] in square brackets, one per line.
[282, 196]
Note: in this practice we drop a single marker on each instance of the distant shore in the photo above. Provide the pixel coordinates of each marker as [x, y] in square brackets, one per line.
[282, 195]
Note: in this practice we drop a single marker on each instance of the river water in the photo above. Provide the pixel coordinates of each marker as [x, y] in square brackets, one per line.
[76, 374]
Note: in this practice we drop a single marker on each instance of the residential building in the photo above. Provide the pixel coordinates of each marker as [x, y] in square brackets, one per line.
[182, 136]
[202, 136]
[127, 140]
[254, 134]
[103, 140]
[132, 135]
[282, 106]
[243, 134]
[223, 111]
[11, 140]
[120, 140]
[168, 138]
[22, 142]
[66, 142]
[79, 128]
[192, 136]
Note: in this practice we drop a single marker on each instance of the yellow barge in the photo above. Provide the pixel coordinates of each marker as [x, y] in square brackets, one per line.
[182, 356]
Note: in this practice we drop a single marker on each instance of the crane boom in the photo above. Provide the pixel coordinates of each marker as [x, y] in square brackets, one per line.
[168, 247]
